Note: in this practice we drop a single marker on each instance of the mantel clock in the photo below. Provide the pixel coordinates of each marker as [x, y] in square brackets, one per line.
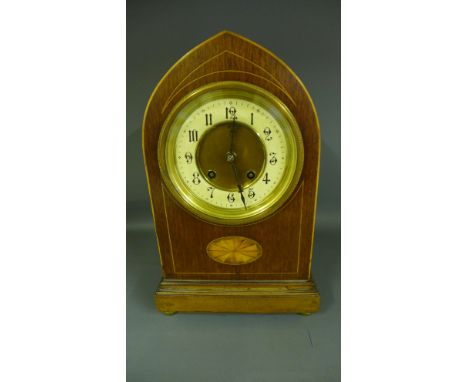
[231, 143]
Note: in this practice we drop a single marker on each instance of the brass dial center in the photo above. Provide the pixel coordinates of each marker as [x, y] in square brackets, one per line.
[230, 156]
[214, 156]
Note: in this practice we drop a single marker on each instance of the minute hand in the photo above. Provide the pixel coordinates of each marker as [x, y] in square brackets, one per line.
[232, 161]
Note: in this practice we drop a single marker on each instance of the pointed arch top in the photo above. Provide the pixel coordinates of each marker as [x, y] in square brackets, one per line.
[228, 54]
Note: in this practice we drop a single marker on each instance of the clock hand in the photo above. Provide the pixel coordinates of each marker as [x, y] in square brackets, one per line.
[231, 157]
[233, 127]
[239, 187]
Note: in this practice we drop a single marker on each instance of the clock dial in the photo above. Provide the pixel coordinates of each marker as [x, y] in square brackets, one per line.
[203, 161]
[231, 152]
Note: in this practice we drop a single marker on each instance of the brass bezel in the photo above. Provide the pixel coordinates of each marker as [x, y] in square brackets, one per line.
[199, 207]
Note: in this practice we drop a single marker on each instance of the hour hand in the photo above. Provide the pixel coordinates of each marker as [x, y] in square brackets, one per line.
[231, 157]
[239, 186]
[242, 195]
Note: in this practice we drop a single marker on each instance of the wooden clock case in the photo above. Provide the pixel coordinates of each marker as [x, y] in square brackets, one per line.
[280, 280]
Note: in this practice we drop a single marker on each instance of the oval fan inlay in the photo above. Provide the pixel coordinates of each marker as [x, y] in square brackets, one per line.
[234, 250]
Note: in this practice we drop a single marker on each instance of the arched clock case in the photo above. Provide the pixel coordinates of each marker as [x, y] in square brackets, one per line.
[231, 144]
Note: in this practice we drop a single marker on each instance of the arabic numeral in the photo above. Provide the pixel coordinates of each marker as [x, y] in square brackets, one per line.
[231, 112]
[266, 179]
[273, 159]
[231, 198]
[267, 132]
[188, 158]
[210, 190]
[251, 193]
[196, 178]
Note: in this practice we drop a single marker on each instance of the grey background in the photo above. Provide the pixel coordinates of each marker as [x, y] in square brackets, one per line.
[222, 347]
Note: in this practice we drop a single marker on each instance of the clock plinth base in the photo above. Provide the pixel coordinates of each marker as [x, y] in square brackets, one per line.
[237, 296]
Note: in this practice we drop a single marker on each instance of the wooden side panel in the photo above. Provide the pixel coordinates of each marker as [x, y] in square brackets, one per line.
[286, 236]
